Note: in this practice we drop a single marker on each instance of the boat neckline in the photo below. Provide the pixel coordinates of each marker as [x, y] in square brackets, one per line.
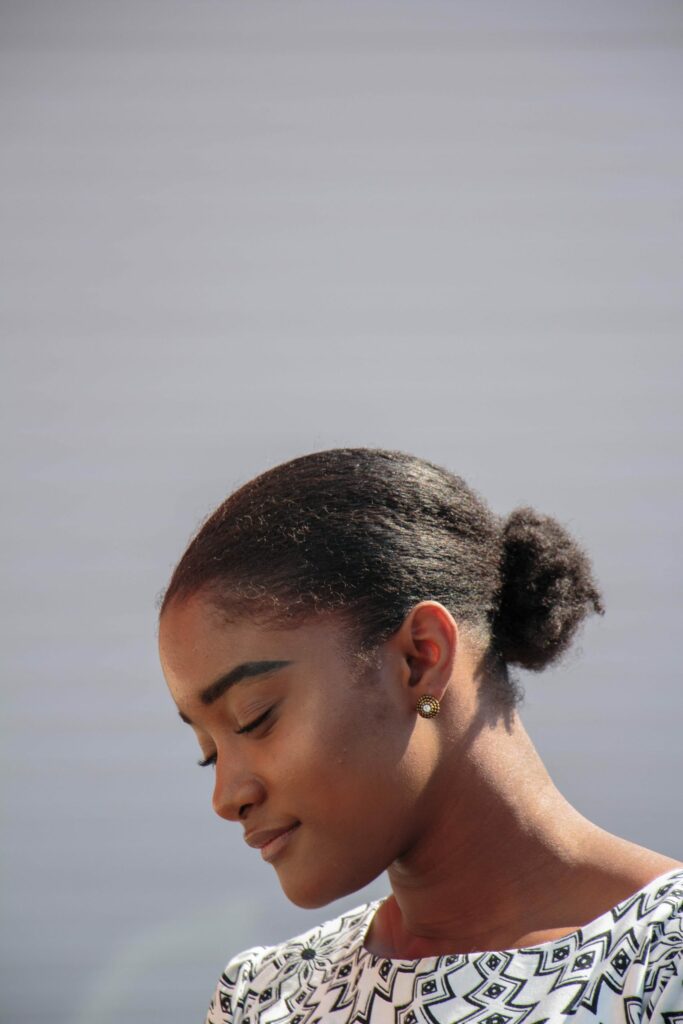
[577, 935]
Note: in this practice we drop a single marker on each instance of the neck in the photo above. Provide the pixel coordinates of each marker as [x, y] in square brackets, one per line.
[494, 858]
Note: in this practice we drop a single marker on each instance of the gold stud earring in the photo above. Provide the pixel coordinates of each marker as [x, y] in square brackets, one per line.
[428, 706]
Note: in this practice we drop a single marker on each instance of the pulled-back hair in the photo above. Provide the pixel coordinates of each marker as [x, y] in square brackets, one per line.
[370, 533]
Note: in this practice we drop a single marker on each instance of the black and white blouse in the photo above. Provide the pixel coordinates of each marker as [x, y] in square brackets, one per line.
[625, 967]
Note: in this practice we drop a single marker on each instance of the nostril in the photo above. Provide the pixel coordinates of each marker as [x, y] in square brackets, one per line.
[234, 798]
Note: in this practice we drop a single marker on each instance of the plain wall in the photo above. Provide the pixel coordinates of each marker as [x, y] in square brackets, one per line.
[232, 233]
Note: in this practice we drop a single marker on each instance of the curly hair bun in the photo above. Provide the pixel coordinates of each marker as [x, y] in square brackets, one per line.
[547, 590]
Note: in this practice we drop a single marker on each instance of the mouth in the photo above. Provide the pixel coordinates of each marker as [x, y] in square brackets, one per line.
[274, 846]
[271, 843]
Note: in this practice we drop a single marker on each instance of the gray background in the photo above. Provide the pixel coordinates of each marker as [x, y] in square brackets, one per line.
[235, 232]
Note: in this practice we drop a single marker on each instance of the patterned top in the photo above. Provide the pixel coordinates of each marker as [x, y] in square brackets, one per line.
[625, 967]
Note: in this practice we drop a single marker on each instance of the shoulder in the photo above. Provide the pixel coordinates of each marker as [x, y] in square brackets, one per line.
[661, 905]
[270, 973]
[650, 920]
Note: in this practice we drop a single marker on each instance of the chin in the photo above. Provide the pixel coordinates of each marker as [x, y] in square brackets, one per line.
[311, 892]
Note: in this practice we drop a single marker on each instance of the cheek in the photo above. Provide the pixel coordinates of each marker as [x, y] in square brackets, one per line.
[354, 790]
[363, 773]
[351, 746]
[349, 756]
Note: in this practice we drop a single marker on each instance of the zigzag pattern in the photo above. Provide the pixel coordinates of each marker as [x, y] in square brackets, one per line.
[626, 967]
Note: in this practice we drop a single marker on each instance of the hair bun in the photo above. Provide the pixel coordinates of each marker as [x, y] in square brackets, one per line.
[547, 590]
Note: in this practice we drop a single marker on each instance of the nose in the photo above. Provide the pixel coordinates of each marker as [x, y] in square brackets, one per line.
[236, 790]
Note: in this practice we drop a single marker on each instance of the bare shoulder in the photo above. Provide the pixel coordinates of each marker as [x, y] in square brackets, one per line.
[659, 866]
[631, 866]
[615, 869]
[648, 864]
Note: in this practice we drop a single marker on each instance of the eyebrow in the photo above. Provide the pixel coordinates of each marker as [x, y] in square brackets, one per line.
[248, 670]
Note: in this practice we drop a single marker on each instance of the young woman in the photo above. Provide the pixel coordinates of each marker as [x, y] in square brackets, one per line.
[339, 635]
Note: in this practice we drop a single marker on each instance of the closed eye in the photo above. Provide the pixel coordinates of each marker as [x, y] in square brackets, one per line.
[255, 723]
[211, 759]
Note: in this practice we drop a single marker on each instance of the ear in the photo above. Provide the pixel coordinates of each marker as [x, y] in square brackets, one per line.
[428, 642]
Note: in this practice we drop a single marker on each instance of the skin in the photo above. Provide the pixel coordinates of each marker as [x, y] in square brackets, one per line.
[482, 851]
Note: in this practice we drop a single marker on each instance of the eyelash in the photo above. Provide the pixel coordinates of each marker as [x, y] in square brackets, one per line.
[211, 759]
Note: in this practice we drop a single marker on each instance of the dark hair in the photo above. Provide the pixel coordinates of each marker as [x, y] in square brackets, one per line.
[370, 533]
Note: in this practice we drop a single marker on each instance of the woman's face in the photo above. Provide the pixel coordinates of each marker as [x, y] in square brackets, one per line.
[329, 764]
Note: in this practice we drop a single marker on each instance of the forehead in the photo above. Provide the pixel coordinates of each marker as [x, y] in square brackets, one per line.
[197, 644]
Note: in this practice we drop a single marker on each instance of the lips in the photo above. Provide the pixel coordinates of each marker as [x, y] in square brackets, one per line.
[260, 839]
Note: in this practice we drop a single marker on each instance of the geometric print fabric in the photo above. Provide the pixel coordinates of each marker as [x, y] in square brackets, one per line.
[625, 967]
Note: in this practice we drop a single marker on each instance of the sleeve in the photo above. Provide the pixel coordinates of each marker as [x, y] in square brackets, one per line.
[663, 1002]
[227, 1003]
[667, 1008]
